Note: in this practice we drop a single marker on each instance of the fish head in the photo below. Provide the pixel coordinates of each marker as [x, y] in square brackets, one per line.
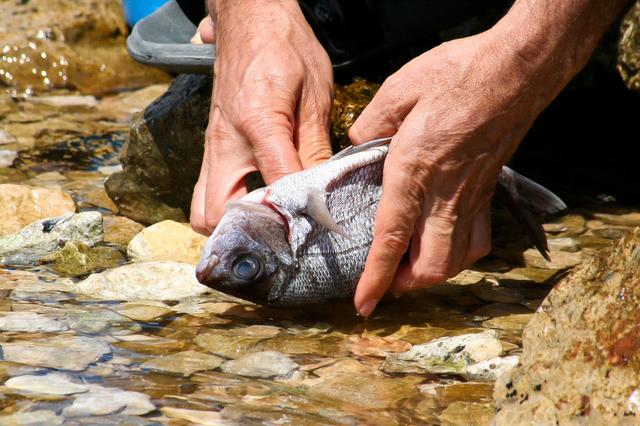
[248, 255]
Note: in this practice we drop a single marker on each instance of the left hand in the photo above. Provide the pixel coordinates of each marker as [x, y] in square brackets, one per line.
[459, 113]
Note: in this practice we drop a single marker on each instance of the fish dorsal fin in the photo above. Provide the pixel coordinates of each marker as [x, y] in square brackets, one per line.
[356, 149]
[317, 209]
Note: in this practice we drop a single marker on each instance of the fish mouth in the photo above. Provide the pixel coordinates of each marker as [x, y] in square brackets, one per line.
[205, 271]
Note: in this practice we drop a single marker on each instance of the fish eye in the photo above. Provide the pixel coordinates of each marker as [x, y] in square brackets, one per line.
[246, 268]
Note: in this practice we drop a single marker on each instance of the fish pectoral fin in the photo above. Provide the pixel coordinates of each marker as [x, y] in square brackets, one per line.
[317, 209]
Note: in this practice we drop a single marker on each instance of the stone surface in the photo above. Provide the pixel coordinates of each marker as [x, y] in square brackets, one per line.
[78, 259]
[31, 322]
[47, 236]
[69, 353]
[260, 364]
[580, 360]
[145, 280]
[144, 312]
[162, 156]
[21, 205]
[186, 363]
[167, 240]
[490, 369]
[120, 230]
[462, 413]
[445, 355]
[78, 44]
[629, 48]
[102, 401]
[49, 384]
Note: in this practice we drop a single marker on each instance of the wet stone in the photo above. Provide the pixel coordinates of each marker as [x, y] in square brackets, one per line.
[101, 321]
[78, 259]
[462, 413]
[559, 259]
[228, 345]
[199, 417]
[47, 236]
[445, 355]
[31, 322]
[120, 230]
[377, 346]
[593, 242]
[260, 364]
[509, 322]
[102, 401]
[490, 369]
[497, 294]
[69, 353]
[167, 240]
[50, 384]
[564, 244]
[321, 345]
[609, 232]
[147, 280]
[185, 363]
[144, 312]
[40, 417]
[21, 205]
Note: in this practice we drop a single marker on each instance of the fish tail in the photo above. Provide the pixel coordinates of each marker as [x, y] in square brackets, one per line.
[529, 203]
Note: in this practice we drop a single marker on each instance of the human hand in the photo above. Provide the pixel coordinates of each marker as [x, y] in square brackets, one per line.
[271, 102]
[458, 113]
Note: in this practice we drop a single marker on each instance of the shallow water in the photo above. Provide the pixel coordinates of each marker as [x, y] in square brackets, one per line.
[104, 362]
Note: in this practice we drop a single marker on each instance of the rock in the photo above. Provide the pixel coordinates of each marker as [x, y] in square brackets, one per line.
[490, 369]
[445, 355]
[227, 344]
[167, 240]
[377, 346]
[320, 345]
[144, 312]
[39, 417]
[102, 401]
[120, 230]
[31, 322]
[581, 359]
[69, 353]
[509, 322]
[7, 157]
[186, 363]
[609, 232]
[6, 137]
[49, 384]
[77, 44]
[47, 236]
[628, 48]
[21, 205]
[564, 244]
[559, 259]
[209, 418]
[101, 321]
[497, 294]
[462, 413]
[260, 364]
[145, 280]
[78, 259]
[162, 155]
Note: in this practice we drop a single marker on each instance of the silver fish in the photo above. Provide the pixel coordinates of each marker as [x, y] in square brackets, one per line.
[305, 238]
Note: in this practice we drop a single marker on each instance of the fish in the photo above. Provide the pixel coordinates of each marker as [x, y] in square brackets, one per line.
[305, 238]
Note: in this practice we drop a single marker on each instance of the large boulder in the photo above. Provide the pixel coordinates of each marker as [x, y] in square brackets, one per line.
[581, 360]
[629, 48]
[76, 44]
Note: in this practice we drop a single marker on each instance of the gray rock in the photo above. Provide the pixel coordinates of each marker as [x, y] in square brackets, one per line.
[145, 280]
[490, 369]
[497, 294]
[581, 358]
[564, 244]
[260, 364]
[46, 236]
[629, 49]
[49, 384]
[445, 355]
[186, 363]
[69, 353]
[162, 155]
[101, 321]
[102, 401]
[31, 322]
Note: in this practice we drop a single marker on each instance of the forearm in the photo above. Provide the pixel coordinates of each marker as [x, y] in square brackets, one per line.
[551, 41]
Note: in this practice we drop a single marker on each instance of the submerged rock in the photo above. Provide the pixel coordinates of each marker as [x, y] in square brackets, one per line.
[101, 401]
[167, 240]
[260, 364]
[445, 355]
[186, 363]
[49, 384]
[21, 205]
[145, 280]
[47, 236]
[581, 358]
[78, 259]
[162, 155]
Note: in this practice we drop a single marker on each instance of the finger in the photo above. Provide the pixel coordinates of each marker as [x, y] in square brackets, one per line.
[479, 244]
[384, 114]
[311, 137]
[205, 33]
[199, 195]
[393, 229]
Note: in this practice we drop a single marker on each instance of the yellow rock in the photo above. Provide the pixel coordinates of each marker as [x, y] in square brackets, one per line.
[167, 240]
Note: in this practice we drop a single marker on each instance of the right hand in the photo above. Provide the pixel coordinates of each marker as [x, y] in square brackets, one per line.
[271, 102]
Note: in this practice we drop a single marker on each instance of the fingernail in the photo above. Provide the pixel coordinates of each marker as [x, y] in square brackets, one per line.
[196, 39]
[368, 307]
